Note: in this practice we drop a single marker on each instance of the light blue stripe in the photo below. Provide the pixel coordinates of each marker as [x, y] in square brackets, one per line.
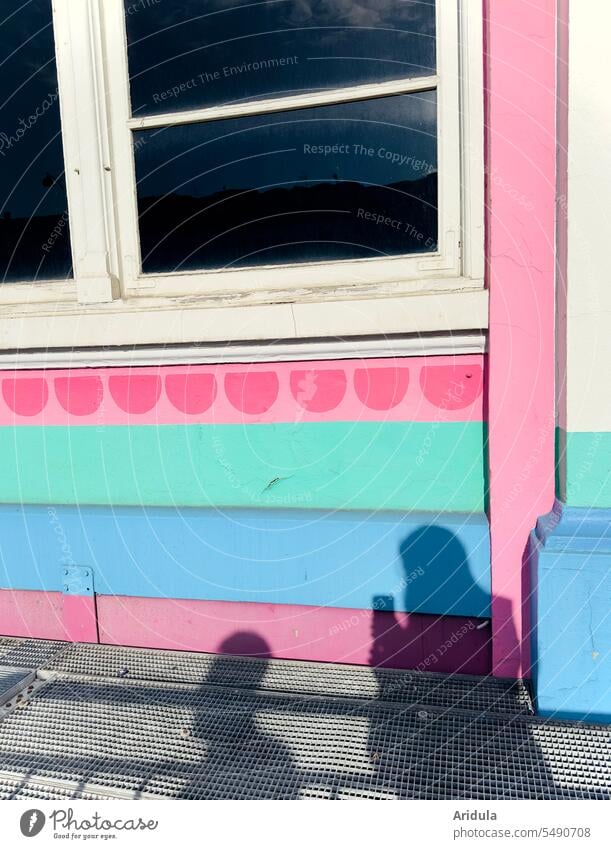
[418, 562]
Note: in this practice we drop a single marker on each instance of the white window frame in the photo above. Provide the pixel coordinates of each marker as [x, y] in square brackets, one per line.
[117, 305]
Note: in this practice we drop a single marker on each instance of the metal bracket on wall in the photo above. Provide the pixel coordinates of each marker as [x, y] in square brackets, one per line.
[79, 607]
[77, 580]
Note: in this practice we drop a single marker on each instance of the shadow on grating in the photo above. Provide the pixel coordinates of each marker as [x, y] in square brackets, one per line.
[205, 742]
[113, 722]
[298, 677]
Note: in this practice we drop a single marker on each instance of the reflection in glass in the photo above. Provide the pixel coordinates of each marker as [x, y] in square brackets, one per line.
[34, 231]
[336, 182]
[186, 54]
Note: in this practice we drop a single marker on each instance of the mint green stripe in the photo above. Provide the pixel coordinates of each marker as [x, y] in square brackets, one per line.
[368, 465]
[588, 468]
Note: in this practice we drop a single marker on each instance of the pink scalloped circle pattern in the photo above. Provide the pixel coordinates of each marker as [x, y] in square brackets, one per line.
[381, 388]
[191, 393]
[318, 390]
[252, 392]
[26, 396]
[451, 387]
[135, 393]
[79, 396]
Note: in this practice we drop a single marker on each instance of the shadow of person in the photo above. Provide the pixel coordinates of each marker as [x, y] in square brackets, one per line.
[437, 576]
[241, 758]
[433, 751]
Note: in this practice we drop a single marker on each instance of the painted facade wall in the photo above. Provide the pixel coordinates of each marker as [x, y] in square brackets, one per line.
[99, 461]
[378, 434]
[337, 507]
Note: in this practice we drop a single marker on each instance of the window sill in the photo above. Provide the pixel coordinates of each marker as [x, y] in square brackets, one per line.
[166, 321]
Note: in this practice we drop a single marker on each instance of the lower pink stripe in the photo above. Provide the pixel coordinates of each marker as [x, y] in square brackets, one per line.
[32, 613]
[406, 641]
[366, 637]
[80, 618]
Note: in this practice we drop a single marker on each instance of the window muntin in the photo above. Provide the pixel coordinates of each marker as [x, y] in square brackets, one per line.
[349, 181]
[34, 229]
[191, 54]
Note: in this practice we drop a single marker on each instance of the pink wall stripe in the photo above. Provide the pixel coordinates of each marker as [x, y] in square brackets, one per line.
[408, 641]
[402, 640]
[520, 164]
[404, 389]
[48, 616]
[80, 618]
[32, 613]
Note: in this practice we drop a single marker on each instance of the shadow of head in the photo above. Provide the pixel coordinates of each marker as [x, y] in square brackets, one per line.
[439, 576]
[247, 671]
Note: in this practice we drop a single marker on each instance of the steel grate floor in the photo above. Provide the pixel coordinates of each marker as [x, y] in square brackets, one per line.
[129, 723]
[12, 681]
[24, 787]
[298, 677]
[16, 651]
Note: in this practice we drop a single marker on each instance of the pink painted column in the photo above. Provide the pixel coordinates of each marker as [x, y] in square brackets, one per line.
[520, 65]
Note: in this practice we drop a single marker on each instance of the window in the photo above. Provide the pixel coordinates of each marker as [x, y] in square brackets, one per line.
[241, 169]
[34, 229]
[306, 185]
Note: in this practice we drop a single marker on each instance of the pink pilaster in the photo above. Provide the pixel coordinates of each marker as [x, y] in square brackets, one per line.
[520, 64]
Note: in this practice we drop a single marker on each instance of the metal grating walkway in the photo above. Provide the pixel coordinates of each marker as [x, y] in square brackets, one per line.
[15, 651]
[295, 677]
[111, 722]
[12, 681]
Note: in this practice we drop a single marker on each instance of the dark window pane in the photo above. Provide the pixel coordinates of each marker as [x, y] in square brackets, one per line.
[195, 53]
[34, 232]
[335, 182]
